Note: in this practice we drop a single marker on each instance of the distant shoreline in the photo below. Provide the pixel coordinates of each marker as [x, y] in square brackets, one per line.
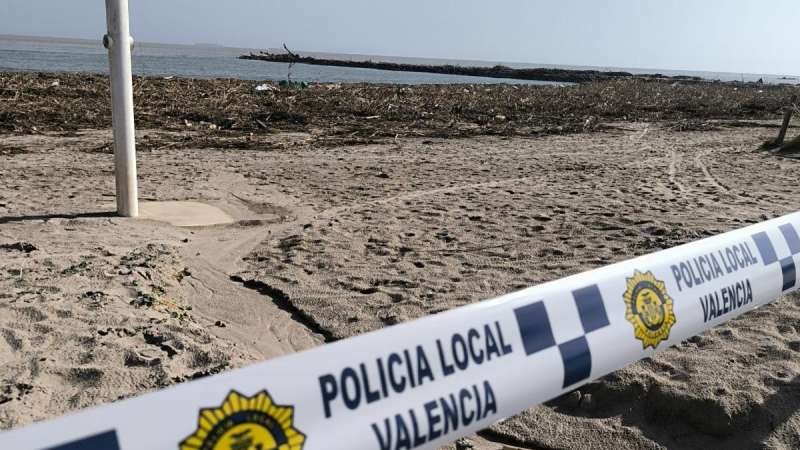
[498, 71]
[70, 54]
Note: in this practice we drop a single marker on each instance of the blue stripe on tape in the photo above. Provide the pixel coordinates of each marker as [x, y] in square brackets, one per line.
[591, 308]
[789, 273]
[577, 360]
[790, 234]
[102, 441]
[765, 248]
[534, 327]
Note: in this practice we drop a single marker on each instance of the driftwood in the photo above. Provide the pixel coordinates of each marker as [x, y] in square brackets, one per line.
[778, 143]
[289, 51]
[291, 64]
[787, 117]
[792, 146]
[225, 113]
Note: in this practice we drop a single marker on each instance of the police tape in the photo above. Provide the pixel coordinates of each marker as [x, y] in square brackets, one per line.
[425, 383]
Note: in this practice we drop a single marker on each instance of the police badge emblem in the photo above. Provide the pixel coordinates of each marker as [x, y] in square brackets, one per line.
[648, 308]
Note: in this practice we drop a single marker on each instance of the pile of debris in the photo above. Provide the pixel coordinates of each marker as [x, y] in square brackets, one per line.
[225, 108]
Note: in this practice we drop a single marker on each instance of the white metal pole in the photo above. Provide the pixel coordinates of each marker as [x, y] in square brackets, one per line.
[118, 41]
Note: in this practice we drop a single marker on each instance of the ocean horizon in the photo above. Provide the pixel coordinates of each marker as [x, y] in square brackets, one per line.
[50, 54]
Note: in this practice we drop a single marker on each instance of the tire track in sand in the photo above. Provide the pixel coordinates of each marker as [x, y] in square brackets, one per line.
[713, 180]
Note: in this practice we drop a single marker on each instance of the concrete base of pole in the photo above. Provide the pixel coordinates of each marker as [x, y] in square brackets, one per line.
[184, 214]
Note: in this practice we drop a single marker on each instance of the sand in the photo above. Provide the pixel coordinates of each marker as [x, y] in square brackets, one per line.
[332, 241]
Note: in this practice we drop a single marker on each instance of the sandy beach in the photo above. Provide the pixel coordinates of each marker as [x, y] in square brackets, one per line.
[356, 210]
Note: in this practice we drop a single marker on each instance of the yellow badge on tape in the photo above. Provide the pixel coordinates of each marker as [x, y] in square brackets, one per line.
[246, 423]
[648, 308]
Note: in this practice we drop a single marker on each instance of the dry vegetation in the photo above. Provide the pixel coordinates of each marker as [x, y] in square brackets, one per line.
[225, 112]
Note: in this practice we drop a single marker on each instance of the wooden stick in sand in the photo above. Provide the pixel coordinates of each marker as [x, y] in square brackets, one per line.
[787, 117]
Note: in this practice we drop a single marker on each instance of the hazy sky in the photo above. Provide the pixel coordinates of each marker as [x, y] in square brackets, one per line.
[757, 36]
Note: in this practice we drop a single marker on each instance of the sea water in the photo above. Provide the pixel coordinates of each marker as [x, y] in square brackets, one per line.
[19, 53]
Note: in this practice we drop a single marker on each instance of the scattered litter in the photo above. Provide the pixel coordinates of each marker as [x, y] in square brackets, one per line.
[293, 84]
[464, 444]
[266, 87]
[590, 123]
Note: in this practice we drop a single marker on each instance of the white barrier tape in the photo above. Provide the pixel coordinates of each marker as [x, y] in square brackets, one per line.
[425, 383]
